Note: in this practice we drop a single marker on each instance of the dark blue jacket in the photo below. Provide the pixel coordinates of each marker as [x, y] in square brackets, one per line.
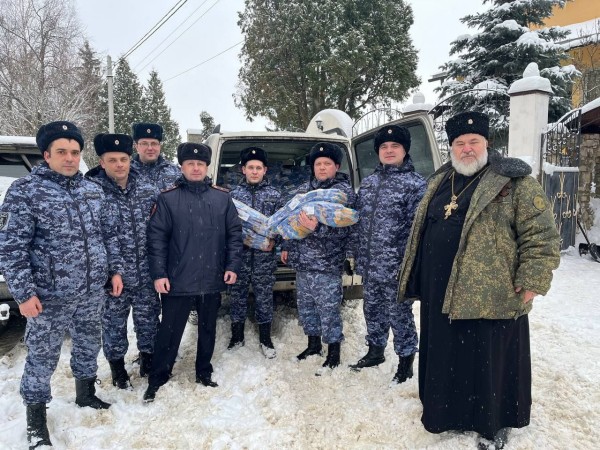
[194, 236]
[265, 199]
[387, 201]
[51, 239]
[131, 208]
[324, 249]
[162, 172]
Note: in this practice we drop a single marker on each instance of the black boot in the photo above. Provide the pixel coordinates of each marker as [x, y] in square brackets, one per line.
[206, 380]
[333, 356]
[266, 345]
[119, 374]
[314, 348]
[37, 430]
[150, 393]
[374, 357]
[405, 370]
[145, 364]
[237, 335]
[86, 394]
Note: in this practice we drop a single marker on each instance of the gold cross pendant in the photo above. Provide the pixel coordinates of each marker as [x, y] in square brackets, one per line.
[450, 206]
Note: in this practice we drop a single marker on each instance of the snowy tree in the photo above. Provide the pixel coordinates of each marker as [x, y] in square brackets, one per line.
[301, 56]
[208, 124]
[127, 98]
[155, 110]
[39, 40]
[498, 54]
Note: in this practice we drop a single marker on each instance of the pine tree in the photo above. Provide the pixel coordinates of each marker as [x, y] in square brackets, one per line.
[127, 98]
[302, 56]
[498, 54]
[155, 110]
[208, 124]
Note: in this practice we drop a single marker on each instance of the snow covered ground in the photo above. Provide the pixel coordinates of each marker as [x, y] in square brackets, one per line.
[281, 404]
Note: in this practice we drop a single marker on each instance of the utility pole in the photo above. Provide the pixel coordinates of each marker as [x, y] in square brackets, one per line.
[111, 108]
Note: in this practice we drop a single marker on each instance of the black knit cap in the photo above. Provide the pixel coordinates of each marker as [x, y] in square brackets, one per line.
[253, 153]
[191, 150]
[327, 150]
[467, 122]
[104, 143]
[392, 133]
[57, 130]
[146, 131]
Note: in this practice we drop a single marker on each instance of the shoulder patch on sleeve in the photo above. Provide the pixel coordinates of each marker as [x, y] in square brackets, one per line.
[4, 219]
[219, 188]
[539, 202]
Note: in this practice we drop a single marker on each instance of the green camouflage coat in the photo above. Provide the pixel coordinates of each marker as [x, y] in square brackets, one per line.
[509, 239]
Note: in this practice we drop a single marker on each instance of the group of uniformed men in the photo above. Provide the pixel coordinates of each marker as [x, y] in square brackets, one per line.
[78, 253]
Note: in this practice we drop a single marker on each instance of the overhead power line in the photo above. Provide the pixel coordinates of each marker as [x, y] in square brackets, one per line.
[155, 28]
[204, 62]
[181, 34]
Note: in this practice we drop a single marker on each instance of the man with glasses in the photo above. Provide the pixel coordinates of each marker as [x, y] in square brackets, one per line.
[148, 160]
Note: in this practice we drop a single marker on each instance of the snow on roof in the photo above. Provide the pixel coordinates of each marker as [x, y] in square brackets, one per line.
[582, 33]
[591, 105]
[20, 140]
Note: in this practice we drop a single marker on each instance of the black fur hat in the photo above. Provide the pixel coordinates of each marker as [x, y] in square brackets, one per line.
[57, 130]
[326, 149]
[191, 150]
[113, 143]
[250, 153]
[467, 122]
[147, 130]
[392, 133]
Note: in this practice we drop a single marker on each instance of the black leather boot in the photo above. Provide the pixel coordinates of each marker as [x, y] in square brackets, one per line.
[86, 394]
[314, 348]
[237, 335]
[405, 370]
[119, 374]
[374, 357]
[145, 364]
[150, 393]
[266, 345]
[206, 380]
[333, 355]
[37, 430]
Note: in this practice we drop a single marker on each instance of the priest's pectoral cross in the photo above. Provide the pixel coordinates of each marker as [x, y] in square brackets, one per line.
[450, 206]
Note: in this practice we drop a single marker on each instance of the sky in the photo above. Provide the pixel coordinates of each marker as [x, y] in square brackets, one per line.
[213, 29]
[280, 404]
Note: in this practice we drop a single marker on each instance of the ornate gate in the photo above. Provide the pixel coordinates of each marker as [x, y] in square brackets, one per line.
[560, 175]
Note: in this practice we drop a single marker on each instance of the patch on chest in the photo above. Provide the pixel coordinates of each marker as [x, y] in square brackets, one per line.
[4, 219]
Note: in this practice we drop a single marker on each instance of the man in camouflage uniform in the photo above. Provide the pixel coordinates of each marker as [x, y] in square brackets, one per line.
[148, 160]
[387, 201]
[319, 259]
[258, 267]
[483, 245]
[53, 256]
[130, 199]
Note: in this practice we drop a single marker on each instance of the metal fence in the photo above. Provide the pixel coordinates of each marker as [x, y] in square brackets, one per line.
[375, 119]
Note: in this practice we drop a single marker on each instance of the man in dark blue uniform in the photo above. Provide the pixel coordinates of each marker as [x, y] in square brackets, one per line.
[258, 266]
[194, 250]
[130, 199]
[54, 259]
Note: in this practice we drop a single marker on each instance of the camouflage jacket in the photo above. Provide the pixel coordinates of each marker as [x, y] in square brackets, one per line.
[509, 239]
[265, 199]
[162, 173]
[51, 241]
[131, 208]
[324, 250]
[387, 201]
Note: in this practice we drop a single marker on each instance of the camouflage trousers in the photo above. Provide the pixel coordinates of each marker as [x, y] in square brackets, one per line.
[260, 274]
[144, 305]
[383, 311]
[319, 298]
[44, 335]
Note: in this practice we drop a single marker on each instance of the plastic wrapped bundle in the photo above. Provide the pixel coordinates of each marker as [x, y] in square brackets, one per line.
[318, 195]
[253, 219]
[327, 213]
[255, 240]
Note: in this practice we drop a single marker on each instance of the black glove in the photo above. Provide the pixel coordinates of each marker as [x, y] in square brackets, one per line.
[348, 268]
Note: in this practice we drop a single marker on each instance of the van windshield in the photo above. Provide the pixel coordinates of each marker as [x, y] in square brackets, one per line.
[420, 152]
[287, 169]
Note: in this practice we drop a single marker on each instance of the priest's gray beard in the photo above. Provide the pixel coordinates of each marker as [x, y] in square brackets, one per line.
[468, 169]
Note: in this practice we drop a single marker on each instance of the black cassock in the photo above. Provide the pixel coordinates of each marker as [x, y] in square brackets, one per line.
[474, 375]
